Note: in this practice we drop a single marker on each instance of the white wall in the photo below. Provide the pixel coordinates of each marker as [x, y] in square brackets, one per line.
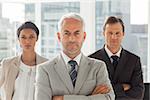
[89, 17]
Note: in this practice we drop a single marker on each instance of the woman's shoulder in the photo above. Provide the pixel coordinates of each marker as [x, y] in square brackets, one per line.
[9, 59]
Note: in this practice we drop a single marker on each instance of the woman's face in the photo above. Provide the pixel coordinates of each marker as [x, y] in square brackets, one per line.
[27, 39]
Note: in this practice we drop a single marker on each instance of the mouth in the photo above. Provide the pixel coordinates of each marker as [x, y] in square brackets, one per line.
[27, 46]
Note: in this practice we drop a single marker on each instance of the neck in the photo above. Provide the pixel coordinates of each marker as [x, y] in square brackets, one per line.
[114, 50]
[29, 58]
[72, 56]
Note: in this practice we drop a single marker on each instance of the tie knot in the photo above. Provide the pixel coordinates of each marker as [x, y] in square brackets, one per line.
[73, 63]
[115, 58]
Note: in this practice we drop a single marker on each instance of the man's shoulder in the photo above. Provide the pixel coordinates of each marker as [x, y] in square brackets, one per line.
[95, 61]
[97, 53]
[41, 57]
[130, 54]
[49, 63]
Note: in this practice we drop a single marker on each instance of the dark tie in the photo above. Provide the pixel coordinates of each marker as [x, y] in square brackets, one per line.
[115, 61]
[73, 72]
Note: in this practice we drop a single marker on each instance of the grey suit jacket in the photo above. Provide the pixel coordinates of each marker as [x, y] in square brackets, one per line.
[9, 72]
[53, 80]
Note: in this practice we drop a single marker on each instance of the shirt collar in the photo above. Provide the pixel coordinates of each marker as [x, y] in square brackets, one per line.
[111, 54]
[66, 58]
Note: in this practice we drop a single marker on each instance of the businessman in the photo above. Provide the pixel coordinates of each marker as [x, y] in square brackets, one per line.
[71, 75]
[124, 67]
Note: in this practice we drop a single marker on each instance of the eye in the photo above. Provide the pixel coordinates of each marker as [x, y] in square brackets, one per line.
[117, 33]
[22, 37]
[110, 33]
[77, 33]
[31, 37]
[66, 33]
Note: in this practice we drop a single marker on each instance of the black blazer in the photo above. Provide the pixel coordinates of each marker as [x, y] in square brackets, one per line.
[128, 71]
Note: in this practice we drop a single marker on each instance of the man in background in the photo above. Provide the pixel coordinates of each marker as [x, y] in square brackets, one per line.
[124, 67]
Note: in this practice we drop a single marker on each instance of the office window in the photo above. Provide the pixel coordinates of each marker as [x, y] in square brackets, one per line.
[50, 13]
[136, 26]
[46, 13]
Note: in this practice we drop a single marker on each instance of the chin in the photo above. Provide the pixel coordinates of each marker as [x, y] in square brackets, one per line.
[73, 52]
[28, 49]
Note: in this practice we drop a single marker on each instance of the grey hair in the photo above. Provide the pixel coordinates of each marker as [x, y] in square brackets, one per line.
[73, 16]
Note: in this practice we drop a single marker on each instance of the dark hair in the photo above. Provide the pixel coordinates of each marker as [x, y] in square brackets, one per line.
[113, 20]
[30, 25]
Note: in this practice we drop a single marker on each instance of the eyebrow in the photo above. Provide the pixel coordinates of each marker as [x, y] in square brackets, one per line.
[77, 31]
[66, 31]
[29, 35]
[73, 32]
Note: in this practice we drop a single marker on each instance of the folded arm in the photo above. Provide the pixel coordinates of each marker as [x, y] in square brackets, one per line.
[135, 88]
[101, 89]
[101, 92]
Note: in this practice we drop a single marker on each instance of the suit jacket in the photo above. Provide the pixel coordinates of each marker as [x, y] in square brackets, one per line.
[9, 72]
[53, 80]
[128, 71]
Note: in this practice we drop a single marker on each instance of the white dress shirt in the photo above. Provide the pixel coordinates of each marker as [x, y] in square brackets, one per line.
[67, 59]
[111, 54]
[24, 84]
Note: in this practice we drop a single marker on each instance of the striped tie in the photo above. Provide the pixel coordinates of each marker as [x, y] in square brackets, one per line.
[73, 72]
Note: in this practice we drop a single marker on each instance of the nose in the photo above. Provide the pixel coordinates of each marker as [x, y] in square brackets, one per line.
[71, 38]
[114, 36]
[27, 40]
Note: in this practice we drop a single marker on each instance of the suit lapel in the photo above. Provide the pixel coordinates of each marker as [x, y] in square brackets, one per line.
[63, 73]
[83, 71]
[121, 64]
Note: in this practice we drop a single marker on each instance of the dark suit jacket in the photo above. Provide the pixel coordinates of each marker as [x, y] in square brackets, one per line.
[128, 71]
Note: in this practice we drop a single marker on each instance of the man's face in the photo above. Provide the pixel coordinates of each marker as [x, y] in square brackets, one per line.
[113, 36]
[71, 36]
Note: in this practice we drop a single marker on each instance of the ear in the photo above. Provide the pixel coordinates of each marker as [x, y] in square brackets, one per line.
[84, 35]
[123, 33]
[37, 39]
[58, 36]
[18, 42]
[104, 33]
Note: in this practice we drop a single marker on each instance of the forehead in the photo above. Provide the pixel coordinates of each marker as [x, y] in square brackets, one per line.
[27, 31]
[114, 26]
[71, 22]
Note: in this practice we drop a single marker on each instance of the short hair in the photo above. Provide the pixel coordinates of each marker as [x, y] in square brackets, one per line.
[28, 25]
[73, 16]
[113, 20]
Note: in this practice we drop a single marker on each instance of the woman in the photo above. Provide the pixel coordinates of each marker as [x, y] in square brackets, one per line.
[18, 73]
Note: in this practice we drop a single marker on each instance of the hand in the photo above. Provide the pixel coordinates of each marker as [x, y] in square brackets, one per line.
[101, 89]
[58, 98]
[126, 87]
